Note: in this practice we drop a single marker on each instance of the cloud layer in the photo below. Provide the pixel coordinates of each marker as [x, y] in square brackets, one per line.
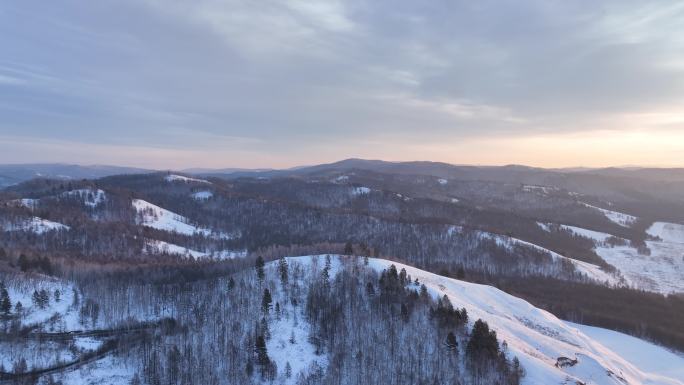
[173, 83]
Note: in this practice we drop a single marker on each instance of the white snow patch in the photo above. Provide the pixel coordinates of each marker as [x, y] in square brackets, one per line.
[455, 200]
[185, 179]
[596, 236]
[622, 219]
[443, 182]
[91, 197]
[25, 202]
[544, 226]
[356, 191]
[36, 225]
[662, 271]
[202, 195]
[668, 232]
[341, 179]
[153, 246]
[107, 371]
[544, 190]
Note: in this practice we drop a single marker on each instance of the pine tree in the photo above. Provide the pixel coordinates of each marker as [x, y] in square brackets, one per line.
[288, 370]
[259, 266]
[5, 302]
[266, 301]
[261, 352]
[348, 248]
[282, 268]
[451, 342]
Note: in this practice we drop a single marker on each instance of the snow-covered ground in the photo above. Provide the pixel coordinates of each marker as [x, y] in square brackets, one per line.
[163, 219]
[535, 336]
[202, 195]
[282, 347]
[543, 190]
[662, 271]
[185, 179]
[56, 315]
[596, 236]
[36, 225]
[90, 197]
[591, 271]
[107, 371]
[645, 355]
[360, 191]
[621, 219]
[668, 232]
[153, 246]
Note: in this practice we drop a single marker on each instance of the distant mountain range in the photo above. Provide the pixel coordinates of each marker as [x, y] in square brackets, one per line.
[11, 174]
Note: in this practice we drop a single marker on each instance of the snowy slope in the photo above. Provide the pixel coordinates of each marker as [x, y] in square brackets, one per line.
[184, 179]
[590, 270]
[662, 271]
[36, 225]
[153, 246]
[535, 336]
[649, 357]
[596, 236]
[621, 219]
[162, 219]
[668, 232]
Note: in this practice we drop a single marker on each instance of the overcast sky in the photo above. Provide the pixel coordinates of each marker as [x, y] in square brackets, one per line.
[276, 83]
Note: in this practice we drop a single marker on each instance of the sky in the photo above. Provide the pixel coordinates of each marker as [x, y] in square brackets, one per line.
[279, 83]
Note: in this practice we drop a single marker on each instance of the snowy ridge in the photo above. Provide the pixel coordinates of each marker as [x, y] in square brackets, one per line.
[622, 219]
[153, 246]
[36, 225]
[185, 179]
[590, 270]
[535, 336]
[596, 236]
[163, 219]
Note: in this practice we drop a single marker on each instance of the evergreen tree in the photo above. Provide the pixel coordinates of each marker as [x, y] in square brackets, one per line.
[261, 352]
[259, 266]
[348, 248]
[266, 301]
[451, 342]
[5, 302]
[288, 370]
[282, 268]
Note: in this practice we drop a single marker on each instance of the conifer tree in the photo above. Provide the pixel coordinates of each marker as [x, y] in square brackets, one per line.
[266, 301]
[259, 266]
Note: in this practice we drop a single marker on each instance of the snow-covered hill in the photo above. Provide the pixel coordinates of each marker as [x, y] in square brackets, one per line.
[537, 337]
[160, 247]
[621, 219]
[185, 179]
[36, 225]
[591, 271]
[162, 219]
